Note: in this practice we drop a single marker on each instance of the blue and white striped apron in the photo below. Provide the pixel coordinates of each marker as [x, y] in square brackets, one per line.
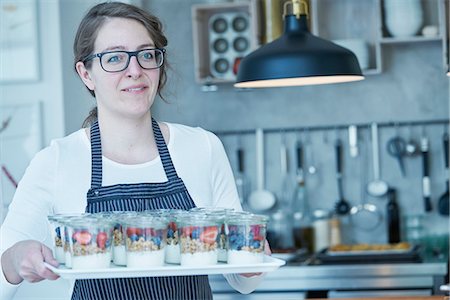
[138, 197]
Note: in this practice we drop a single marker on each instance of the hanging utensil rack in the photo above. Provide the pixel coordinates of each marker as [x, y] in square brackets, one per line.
[335, 127]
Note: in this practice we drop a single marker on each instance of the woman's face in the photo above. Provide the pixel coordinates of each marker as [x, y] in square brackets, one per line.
[131, 92]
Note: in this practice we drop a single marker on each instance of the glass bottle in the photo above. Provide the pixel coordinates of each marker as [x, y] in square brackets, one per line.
[303, 231]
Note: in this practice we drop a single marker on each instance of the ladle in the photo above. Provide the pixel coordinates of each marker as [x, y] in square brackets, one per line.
[376, 187]
[443, 203]
[342, 207]
[260, 199]
[365, 216]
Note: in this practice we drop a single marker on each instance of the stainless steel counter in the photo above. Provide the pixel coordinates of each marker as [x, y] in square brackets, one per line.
[348, 277]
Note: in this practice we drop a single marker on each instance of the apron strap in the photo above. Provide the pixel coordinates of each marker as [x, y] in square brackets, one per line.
[96, 156]
[164, 154]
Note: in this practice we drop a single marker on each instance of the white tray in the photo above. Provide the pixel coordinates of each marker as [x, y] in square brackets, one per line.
[269, 264]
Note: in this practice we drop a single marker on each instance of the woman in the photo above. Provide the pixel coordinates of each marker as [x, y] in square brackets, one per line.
[120, 57]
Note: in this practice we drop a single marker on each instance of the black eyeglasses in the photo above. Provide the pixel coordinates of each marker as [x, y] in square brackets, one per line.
[117, 61]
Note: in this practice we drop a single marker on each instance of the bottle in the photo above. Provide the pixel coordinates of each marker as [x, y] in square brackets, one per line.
[393, 217]
[335, 231]
[321, 227]
[303, 231]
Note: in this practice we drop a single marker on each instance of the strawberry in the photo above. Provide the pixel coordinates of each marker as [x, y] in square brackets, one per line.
[101, 239]
[150, 232]
[133, 230]
[187, 230]
[209, 235]
[173, 226]
[82, 237]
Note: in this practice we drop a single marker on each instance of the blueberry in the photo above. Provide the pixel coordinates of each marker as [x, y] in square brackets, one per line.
[170, 233]
[58, 232]
[134, 237]
[232, 238]
[195, 233]
[157, 240]
[256, 244]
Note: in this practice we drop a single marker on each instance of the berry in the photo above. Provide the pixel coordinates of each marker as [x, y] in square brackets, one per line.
[133, 230]
[156, 240]
[256, 244]
[209, 235]
[101, 239]
[195, 233]
[82, 237]
[170, 233]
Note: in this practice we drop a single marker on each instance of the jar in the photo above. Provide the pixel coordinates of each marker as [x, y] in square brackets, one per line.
[145, 241]
[198, 234]
[220, 213]
[60, 247]
[119, 255]
[90, 242]
[321, 225]
[246, 239]
[173, 255]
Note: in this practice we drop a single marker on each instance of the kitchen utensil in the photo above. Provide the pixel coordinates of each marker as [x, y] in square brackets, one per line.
[396, 147]
[285, 194]
[342, 207]
[312, 167]
[241, 180]
[393, 217]
[424, 149]
[365, 215]
[260, 199]
[376, 187]
[353, 140]
[412, 148]
[443, 203]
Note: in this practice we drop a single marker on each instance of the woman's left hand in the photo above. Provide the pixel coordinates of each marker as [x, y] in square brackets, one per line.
[267, 252]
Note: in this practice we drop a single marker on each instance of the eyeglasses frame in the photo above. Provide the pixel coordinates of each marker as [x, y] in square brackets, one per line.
[130, 55]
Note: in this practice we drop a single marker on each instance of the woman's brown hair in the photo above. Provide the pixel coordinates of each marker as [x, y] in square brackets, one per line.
[90, 25]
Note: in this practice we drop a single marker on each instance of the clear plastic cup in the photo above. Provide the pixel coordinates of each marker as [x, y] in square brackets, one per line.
[90, 242]
[61, 243]
[173, 254]
[198, 235]
[57, 230]
[246, 239]
[119, 254]
[146, 240]
[221, 214]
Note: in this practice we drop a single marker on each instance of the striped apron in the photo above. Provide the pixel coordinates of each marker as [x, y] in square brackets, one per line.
[171, 194]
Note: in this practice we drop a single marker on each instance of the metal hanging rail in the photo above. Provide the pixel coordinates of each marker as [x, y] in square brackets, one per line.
[335, 127]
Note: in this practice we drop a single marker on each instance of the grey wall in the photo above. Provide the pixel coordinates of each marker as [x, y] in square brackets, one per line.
[411, 88]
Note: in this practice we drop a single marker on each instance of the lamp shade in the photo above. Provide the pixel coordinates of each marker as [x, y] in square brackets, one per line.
[297, 58]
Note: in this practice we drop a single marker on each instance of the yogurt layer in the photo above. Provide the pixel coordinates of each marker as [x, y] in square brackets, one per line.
[92, 261]
[244, 257]
[143, 259]
[199, 258]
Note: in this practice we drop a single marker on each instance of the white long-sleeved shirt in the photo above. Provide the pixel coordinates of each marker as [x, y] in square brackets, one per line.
[58, 178]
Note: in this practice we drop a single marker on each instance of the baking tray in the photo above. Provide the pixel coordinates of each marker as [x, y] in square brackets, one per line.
[268, 265]
[372, 256]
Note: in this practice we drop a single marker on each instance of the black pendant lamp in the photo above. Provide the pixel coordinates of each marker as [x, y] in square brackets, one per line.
[297, 57]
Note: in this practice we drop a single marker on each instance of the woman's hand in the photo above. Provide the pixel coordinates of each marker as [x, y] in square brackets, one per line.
[25, 261]
[267, 252]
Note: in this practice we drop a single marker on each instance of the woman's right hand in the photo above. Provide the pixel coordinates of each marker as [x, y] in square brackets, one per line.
[25, 261]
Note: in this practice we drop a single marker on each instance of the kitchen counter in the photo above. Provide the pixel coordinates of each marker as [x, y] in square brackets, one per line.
[398, 298]
[400, 276]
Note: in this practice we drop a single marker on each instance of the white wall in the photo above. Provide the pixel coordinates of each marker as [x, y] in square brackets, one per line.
[48, 90]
